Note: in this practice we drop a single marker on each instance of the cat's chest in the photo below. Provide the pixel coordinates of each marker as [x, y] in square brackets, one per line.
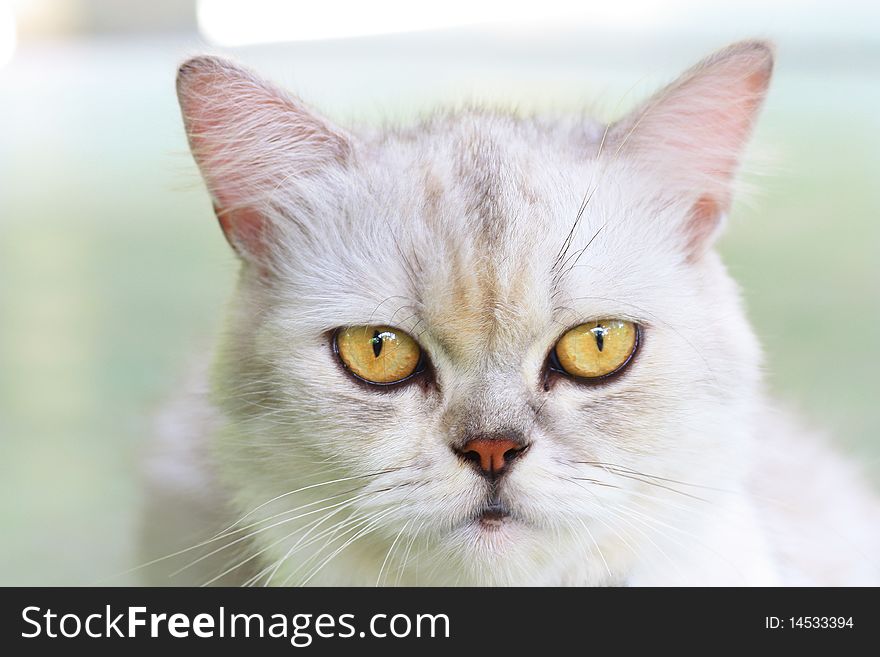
[724, 548]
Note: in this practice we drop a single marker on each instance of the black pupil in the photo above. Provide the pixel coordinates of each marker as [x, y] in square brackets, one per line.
[377, 344]
[599, 333]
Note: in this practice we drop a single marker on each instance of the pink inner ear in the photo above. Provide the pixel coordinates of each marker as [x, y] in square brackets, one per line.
[245, 230]
[690, 136]
[250, 139]
[702, 222]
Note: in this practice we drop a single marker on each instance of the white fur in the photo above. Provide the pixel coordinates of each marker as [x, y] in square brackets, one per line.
[452, 231]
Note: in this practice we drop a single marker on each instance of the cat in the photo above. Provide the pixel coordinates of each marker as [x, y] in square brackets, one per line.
[489, 349]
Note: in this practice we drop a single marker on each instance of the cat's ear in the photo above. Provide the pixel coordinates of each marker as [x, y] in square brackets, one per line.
[253, 143]
[692, 133]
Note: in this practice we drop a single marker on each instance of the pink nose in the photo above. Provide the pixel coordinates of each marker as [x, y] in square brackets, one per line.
[491, 454]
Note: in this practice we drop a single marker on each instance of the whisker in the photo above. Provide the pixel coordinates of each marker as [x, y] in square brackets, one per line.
[372, 526]
[390, 550]
[643, 479]
[406, 555]
[252, 534]
[598, 549]
[331, 530]
[280, 540]
[305, 488]
[605, 465]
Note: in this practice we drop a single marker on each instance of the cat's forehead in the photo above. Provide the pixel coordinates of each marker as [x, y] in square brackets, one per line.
[489, 154]
[490, 178]
[481, 207]
[476, 233]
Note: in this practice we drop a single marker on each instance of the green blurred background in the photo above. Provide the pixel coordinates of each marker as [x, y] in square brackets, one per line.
[114, 275]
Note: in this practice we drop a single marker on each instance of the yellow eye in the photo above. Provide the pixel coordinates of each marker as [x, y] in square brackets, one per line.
[597, 349]
[378, 354]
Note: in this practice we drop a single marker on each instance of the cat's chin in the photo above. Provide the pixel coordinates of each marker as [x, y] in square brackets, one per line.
[490, 524]
[496, 537]
[495, 531]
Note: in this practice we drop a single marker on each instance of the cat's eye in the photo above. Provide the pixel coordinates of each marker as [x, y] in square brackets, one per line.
[597, 349]
[378, 354]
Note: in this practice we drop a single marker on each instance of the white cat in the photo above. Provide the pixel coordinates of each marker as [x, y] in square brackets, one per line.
[491, 349]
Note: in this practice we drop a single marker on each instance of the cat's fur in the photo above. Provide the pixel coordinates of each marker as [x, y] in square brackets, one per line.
[486, 236]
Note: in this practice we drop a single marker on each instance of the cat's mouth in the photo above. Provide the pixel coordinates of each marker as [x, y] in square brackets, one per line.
[493, 515]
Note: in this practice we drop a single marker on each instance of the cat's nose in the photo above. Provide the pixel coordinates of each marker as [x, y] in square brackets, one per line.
[492, 456]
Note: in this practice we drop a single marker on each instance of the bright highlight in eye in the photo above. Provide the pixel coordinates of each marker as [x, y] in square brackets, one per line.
[378, 354]
[597, 349]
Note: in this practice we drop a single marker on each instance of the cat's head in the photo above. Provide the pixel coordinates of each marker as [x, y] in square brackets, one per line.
[482, 348]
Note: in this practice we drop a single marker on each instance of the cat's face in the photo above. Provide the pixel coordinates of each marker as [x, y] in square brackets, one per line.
[485, 239]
